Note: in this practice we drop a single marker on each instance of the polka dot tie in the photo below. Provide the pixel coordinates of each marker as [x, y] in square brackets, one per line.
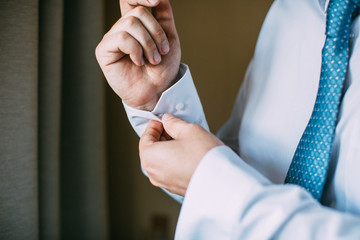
[310, 163]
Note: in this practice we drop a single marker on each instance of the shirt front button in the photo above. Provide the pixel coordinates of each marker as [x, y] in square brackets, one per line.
[180, 106]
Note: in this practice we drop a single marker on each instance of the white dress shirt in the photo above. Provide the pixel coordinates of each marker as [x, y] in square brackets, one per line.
[242, 196]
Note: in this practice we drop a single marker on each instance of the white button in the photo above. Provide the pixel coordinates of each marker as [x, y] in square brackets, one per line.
[352, 35]
[180, 106]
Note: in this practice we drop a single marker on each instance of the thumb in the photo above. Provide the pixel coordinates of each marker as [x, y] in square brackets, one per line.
[174, 126]
[151, 134]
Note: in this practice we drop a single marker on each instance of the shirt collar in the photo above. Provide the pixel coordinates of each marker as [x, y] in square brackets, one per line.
[324, 4]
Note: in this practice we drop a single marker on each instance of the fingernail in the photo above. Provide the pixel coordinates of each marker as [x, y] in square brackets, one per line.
[167, 116]
[165, 46]
[152, 1]
[157, 57]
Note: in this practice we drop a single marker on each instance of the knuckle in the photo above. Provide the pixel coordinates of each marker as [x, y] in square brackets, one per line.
[149, 43]
[106, 35]
[98, 50]
[123, 36]
[99, 54]
[140, 10]
[130, 21]
[159, 33]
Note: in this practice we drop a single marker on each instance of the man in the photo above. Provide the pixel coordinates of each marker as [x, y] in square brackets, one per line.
[282, 127]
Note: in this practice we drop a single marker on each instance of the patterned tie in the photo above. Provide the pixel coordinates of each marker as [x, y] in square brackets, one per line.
[310, 163]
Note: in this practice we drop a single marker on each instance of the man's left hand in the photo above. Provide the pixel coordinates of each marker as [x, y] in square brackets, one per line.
[171, 151]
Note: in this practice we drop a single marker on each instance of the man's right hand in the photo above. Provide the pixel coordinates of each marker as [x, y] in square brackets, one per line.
[140, 55]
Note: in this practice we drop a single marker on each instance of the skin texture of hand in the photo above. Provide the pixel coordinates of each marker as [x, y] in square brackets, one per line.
[140, 55]
[171, 151]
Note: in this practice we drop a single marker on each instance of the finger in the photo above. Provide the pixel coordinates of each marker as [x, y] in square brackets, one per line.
[135, 28]
[151, 134]
[162, 12]
[164, 15]
[127, 5]
[150, 24]
[114, 47]
[175, 127]
[153, 27]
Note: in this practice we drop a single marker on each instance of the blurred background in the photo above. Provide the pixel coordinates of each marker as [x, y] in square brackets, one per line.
[69, 165]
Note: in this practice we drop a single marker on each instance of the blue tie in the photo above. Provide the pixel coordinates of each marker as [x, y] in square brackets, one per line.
[311, 160]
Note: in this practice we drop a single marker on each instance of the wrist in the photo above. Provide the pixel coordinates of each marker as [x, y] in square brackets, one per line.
[150, 103]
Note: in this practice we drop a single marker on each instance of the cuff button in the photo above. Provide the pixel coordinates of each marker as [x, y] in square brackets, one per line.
[180, 106]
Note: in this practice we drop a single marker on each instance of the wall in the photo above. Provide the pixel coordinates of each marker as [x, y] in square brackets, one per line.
[218, 40]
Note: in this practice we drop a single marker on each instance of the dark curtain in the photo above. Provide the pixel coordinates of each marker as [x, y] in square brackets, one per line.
[52, 121]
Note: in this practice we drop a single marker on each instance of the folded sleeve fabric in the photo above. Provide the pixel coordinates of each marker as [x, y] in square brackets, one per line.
[181, 99]
[228, 199]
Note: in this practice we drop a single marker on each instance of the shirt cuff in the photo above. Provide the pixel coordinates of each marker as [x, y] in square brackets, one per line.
[181, 99]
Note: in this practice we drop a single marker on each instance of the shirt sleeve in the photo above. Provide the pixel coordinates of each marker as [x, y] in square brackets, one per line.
[181, 99]
[228, 199]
